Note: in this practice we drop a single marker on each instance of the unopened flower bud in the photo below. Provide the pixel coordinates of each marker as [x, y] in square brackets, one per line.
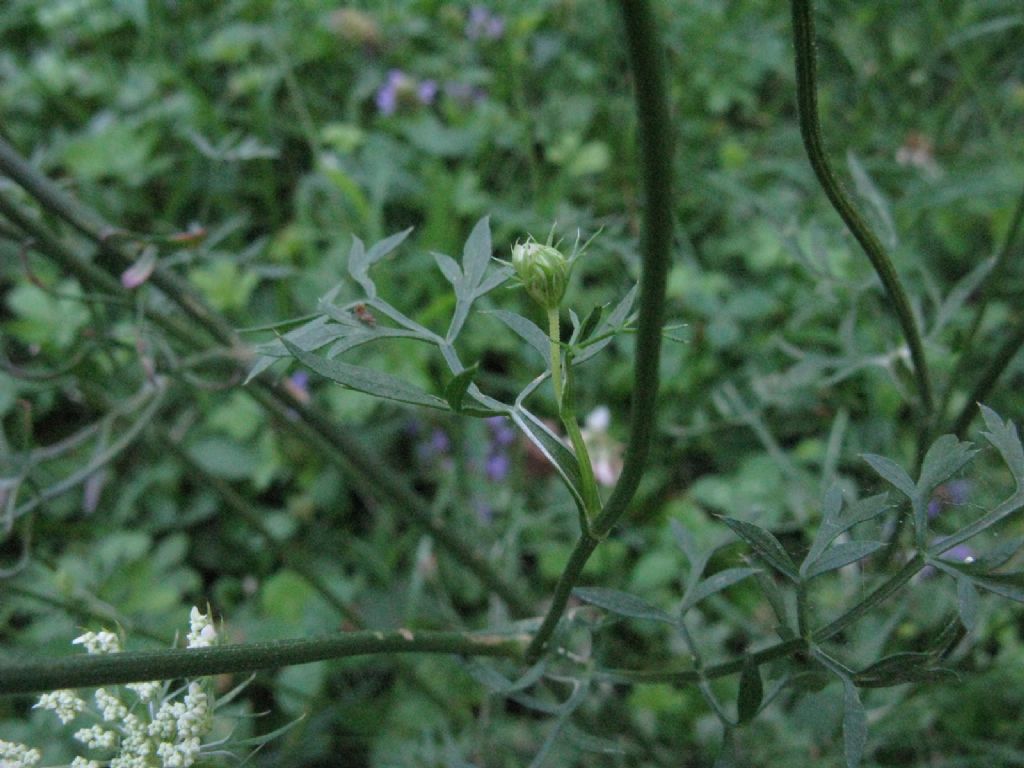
[543, 270]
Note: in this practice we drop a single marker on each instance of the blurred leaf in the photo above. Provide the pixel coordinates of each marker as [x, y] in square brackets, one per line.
[622, 603]
[765, 546]
[967, 602]
[876, 200]
[855, 725]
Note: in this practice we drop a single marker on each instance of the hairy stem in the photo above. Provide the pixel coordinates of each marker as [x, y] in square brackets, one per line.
[31, 676]
[810, 130]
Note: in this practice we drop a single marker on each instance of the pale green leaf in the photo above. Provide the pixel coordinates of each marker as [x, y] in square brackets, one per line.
[622, 603]
[765, 546]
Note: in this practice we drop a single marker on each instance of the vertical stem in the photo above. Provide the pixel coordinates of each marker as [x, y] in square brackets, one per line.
[655, 134]
[810, 130]
[555, 340]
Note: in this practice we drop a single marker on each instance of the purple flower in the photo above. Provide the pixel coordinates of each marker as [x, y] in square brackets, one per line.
[501, 431]
[484, 25]
[402, 89]
[960, 553]
[388, 94]
[439, 442]
[953, 493]
[426, 91]
[297, 386]
[497, 467]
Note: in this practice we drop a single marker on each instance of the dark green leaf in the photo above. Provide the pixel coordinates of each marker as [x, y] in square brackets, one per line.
[766, 546]
[456, 389]
[366, 380]
[524, 329]
[838, 556]
[622, 603]
[748, 701]
[615, 320]
[892, 472]
[967, 602]
[449, 268]
[945, 457]
[386, 246]
[553, 449]
[855, 725]
[835, 523]
[476, 255]
[590, 323]
[1003, 435]
[900, 668]
[716, 583]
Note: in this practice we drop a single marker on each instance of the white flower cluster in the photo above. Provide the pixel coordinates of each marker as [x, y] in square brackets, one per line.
[14, 755]
[144, 725]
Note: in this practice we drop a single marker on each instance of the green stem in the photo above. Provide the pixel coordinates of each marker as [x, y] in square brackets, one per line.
[810, 130]
[565, 400]
[32, 676]
[883, 592]
[555, 342]
[655, 135]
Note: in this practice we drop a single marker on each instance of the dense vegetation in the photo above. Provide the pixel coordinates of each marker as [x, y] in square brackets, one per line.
[233, 235]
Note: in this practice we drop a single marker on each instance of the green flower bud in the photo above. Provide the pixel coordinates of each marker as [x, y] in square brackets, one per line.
[543, 270]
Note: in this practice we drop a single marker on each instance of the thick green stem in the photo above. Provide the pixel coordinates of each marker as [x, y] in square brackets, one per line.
[31, 676]
[810, 129]
[655, 134]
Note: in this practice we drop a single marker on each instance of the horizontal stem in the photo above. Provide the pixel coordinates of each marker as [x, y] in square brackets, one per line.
[32, 676]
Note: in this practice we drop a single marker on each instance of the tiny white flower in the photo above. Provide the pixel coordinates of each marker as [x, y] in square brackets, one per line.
[15, 755]
[111, 708]
[97, 737]
[99, 642]
[65, 704]
[81, 762]
[202, 633]
[145, 691]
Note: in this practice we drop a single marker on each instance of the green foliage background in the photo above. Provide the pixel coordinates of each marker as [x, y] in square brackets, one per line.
[256, 121]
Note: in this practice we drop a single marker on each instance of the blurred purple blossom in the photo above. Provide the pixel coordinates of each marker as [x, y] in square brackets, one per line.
[502, 433]
[960, 553]
[298, 386]
[426, 91]
[953, 493]
[400, 89]
[483, 24]
[497, 466]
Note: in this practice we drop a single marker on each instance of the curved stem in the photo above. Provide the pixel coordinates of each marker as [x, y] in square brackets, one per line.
[655, 134]
[810, 130]
[30, 676]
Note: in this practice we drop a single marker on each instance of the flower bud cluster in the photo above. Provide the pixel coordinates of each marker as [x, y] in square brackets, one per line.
[544, 271]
